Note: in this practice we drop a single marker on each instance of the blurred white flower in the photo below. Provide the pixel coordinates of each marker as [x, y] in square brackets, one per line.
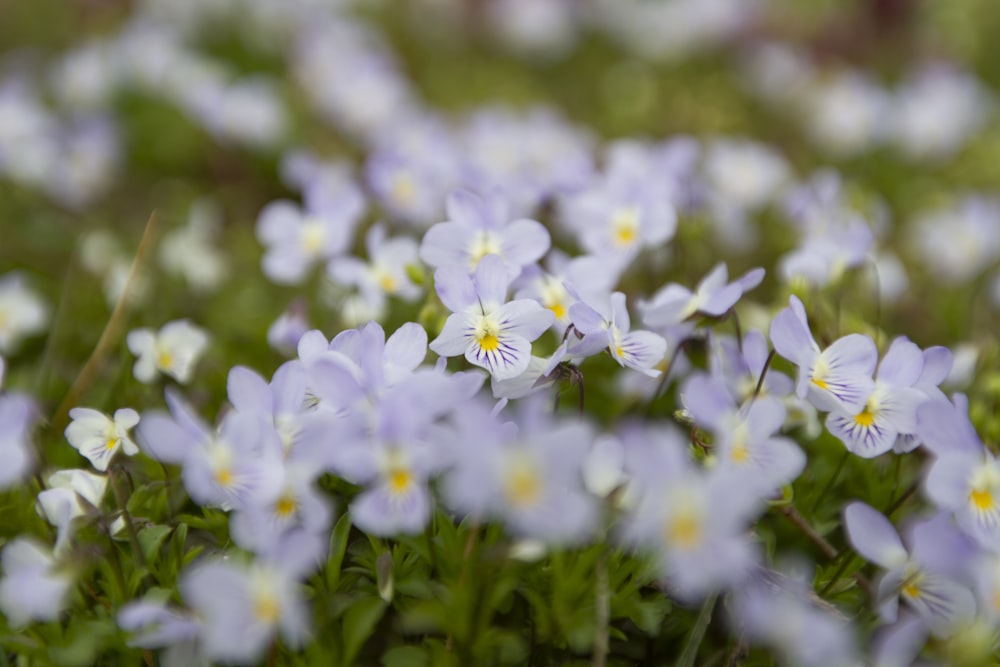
[173, 351]
[22, 312]
[188, 252]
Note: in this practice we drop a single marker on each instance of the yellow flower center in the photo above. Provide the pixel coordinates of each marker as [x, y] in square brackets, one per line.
[911, 590]
[285, 506]
[864, 418]
[558, 310]
[387, 283]
[111, 443]
[313, 237]
[485, 243]
[625, 226]
[224, 477]
[266, 609]
[403, 190]
[684, 530]
[489, 342]
[981, 499]
[523, 487]
[400, 481]
[820, 383]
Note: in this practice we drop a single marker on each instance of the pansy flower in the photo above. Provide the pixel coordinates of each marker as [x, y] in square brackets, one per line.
[173, 351]
[713, 297]
[98, 437]
[890, 410]
[838, 378]
[478, 227]
[490, 332]
[610, 328]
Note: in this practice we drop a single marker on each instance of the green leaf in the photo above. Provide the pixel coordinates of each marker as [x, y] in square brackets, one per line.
[338, 546]
[359, 623]
[151, 540]
[405, 656]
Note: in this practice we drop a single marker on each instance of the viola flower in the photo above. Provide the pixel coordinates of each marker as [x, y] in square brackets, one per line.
[611, 330]
[492, 333]
[154, 625]
[714, 296]
[296, 239]
[739, 367]
[385, 273]
[241, 606]
[890, 410]
[173, 351]
[744, 438]
[478, 227]
[189, 252]
[620, 217]
[526, 473]
[33, 587]
[927, 577]
[965, 476]
[695, 524]
[239, 463]
[98, 437]
[838, 378]
[22, 312]
[936, 367]
[18, 414]
[285, 332]
[70, 494]
[565, 280]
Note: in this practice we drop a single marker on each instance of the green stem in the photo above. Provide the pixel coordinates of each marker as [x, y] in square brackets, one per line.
[830, 482]
[690, 652]
[602, 612]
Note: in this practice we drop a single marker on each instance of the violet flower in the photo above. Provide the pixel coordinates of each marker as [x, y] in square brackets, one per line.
[838, 378]
[492, 333]
[477, 227]
[610, 328]
[714, 296]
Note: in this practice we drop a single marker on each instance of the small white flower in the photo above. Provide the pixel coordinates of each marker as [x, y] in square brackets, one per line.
[173, 351]
[22, 312]
[69, 495]
[188, 252]
[98, 437]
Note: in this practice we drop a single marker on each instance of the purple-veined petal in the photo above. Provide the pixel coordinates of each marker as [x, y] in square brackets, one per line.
[642, 350]
[508, 359]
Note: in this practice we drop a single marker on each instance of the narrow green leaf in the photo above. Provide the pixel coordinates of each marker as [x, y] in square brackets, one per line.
[693, 643]
[359, 623]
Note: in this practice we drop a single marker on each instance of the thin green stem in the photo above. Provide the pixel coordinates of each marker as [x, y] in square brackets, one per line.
[830, 482]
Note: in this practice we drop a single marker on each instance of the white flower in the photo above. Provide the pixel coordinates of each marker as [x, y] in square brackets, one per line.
[22, 312]
[32, 588]
[173, 351]
[98, 437]
[69, 495]
[189, 253]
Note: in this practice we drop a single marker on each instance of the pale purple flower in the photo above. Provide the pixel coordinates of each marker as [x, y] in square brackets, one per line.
[964, 477]
[937, 363]
[744, 440]
[242, 606]
[478, 227]
[33, 587]
[957, 242]
[492, 333]
[610, 329]
[739, 365]
[693, 523]
[385, 272]
[620, 217]
[838, 378]
[890, 409]
[285, 332]
[784, 613]
[155, 625]
[297, 239]
[565, 280]
[239, 463]
[526, 474]
[714, 296]
[927, 576]
[18, 414]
